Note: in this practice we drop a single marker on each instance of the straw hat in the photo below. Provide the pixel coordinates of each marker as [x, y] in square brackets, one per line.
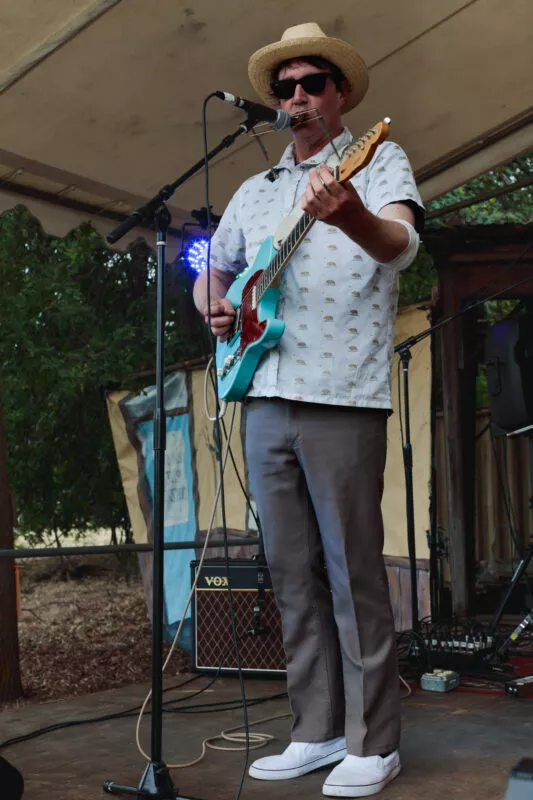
[303, 40]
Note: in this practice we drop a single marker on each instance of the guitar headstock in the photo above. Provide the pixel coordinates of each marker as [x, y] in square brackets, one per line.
[362, 151]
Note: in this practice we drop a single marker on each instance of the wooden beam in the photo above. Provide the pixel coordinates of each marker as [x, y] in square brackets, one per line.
[479, 198]
[472, 263]
[467, 413]
[10, 683]
[68, 31]
[452, 363]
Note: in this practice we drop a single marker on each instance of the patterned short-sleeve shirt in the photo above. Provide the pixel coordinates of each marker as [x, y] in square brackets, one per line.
[337, 302]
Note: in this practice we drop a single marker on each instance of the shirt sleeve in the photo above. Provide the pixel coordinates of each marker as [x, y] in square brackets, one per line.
[391, 180]
[228, 246]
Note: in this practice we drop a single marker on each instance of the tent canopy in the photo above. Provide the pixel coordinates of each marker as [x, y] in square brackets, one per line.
[100, 100]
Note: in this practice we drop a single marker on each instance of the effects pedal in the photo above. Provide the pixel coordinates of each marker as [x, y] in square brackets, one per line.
[520, 687]
[521, 781]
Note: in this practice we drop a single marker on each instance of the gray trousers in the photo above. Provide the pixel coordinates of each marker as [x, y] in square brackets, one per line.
[316, 473]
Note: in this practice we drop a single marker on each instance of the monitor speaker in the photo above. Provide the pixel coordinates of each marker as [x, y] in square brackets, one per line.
[509, 360]
[11, 781]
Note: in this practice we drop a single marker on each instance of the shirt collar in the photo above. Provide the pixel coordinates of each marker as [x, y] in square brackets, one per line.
[287, 159]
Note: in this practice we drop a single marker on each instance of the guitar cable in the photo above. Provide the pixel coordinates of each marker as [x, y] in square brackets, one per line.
[223, 406]
[218, 442]
[189, 599]
[240, 480]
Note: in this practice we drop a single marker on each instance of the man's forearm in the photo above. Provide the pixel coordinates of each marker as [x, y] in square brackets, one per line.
[383, 239]
[220, 283]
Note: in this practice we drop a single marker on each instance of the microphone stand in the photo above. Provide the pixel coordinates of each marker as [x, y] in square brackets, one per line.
[145, 215]
[404, 351]
[156, 780]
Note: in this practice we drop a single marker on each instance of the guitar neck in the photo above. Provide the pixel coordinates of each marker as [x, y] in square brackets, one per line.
[284, 254]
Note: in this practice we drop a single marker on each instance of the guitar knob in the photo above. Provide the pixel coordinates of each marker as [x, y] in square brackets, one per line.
[220, 373]
[228, 361]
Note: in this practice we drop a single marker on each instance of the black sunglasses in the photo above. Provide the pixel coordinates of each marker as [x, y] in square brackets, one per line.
[311, 84]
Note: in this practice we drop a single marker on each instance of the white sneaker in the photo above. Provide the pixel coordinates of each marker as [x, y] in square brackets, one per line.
[297, 759]
[362, 777]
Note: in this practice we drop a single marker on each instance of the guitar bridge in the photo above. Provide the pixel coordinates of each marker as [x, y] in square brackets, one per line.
[229, 363]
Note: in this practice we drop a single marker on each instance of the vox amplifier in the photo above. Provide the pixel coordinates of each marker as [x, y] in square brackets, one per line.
[257, 619]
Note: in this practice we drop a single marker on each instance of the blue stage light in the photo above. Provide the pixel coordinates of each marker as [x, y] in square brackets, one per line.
[195, 254]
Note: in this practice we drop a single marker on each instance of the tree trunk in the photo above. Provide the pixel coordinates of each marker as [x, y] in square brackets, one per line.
[10, 683]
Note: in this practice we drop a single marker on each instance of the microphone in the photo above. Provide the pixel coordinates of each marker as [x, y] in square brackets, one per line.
[278, 119]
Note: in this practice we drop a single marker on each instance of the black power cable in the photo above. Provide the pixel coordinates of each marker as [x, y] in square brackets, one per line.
[206, 708]
[73, 723]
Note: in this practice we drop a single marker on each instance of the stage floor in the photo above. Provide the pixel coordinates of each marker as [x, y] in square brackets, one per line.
[455, 745]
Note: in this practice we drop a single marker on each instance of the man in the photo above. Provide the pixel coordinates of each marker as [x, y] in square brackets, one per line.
[317, 407]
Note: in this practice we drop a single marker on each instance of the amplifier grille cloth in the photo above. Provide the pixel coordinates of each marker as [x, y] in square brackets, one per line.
[214, 635]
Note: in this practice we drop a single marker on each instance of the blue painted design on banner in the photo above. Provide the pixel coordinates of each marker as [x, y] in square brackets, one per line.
[180, 517]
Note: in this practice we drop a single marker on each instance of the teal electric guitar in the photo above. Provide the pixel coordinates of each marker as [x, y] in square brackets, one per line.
[254, 294]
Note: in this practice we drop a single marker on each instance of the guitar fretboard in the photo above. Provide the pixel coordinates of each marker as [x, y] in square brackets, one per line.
[290, 244]
[286, 250]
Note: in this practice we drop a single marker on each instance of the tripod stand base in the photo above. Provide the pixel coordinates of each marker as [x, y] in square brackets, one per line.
[156, 782]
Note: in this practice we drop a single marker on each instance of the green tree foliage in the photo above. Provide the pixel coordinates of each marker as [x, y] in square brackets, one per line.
[417, 282]
[513, 207]
[74, 318]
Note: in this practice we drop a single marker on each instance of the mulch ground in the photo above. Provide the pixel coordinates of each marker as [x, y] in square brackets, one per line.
[85, 629]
